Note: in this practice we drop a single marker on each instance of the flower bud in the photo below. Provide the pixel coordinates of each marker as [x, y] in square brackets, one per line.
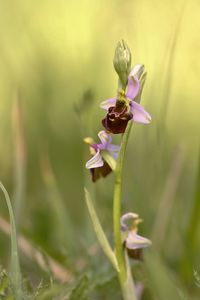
[122, 62]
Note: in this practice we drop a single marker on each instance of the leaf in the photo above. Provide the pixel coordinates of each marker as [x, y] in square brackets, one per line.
[80, 290]
[15, 267]
[99, 232]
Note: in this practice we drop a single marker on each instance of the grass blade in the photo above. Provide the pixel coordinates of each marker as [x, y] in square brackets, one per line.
[15, 267]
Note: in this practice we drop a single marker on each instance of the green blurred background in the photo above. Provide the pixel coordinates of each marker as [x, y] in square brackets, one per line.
[56, 61]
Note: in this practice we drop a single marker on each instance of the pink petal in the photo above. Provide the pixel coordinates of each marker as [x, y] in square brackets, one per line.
[114, 150]
[136, 241]
[95, 162]
[127, 217]
[104, 138]
[140, 115]
[133, 87]
[108, 103]
[137, 71]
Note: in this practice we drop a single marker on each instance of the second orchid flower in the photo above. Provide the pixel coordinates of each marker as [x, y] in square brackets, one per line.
[97, 164]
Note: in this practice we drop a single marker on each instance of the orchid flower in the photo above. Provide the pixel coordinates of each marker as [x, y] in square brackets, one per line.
[97, 165]
[133, 241]
[123, 108]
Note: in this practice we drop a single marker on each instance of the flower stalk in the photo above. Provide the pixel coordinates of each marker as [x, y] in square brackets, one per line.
[117, 206]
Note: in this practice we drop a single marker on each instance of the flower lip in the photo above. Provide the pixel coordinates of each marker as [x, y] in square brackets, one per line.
[117, 118]
[100, 172]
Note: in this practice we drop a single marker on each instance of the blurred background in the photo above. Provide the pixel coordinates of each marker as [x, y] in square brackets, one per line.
[55, 69]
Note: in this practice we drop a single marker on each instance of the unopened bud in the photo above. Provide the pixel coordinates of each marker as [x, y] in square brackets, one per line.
[122, 62]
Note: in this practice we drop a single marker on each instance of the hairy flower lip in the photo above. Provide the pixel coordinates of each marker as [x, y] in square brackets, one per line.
[99, 172]
[116, 120]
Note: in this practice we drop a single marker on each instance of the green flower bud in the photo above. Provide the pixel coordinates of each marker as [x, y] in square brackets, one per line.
[122, 62]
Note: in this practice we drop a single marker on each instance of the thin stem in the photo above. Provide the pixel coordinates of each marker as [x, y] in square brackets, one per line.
[125, 277]
[117, 206]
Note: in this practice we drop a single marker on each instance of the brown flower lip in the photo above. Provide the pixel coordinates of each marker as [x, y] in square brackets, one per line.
[136, 254]
[117, 118]
[103, 171]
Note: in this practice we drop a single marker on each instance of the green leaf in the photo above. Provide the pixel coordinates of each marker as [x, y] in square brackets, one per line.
[80, 290]
[15, 267]
[99, 232]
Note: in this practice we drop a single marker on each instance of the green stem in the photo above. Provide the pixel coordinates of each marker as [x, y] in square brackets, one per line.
[125, 276]
[117, 206]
